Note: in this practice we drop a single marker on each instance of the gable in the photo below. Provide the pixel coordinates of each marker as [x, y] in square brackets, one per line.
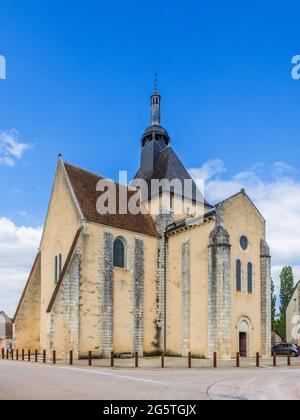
[241, 198]
[4, 318]
[241, 216]
[63, 210]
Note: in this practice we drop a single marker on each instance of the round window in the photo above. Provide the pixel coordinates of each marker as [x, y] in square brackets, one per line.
[244, 243]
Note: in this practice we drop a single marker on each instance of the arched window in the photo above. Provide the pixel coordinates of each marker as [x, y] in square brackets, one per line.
[250, 278]
[238, 276]
[58, 267]
[119, 253]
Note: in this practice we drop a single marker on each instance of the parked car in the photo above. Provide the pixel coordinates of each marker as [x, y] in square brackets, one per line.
[284, 349]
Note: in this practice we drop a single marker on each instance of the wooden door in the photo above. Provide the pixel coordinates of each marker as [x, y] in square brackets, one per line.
[243, 344]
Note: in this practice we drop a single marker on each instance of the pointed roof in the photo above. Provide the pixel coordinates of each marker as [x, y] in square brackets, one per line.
[167, 165]
[6, 317]
[84, 184]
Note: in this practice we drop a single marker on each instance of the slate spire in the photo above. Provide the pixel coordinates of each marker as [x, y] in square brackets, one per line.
[155, 105]
[158, 160]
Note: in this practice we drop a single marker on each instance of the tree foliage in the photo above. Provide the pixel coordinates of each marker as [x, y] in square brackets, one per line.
[274, 301]
[286, 293]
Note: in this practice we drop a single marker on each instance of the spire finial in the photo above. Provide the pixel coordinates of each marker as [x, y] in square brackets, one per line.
[155, 80]
[155, 103]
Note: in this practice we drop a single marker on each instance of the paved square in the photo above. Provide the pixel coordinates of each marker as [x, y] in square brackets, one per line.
[30, 381]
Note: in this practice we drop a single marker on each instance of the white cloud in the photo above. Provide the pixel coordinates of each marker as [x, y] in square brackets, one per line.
[18, 248]
[11, 148]
[208, 170]
[276, 195]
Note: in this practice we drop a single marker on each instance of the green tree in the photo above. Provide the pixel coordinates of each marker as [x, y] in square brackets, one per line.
[286, 293]
[274, 301]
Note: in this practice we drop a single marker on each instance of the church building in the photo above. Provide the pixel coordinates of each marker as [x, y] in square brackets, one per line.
[156, 281]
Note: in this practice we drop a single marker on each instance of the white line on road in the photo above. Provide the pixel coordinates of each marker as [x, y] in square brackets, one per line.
[115, 375]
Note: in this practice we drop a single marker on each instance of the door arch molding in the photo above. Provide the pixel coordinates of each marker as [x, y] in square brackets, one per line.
[244, 325]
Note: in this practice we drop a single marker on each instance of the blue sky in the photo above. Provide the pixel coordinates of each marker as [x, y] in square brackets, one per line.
[79, 76]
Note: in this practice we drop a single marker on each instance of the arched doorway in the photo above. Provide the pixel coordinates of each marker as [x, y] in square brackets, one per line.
[244, 336]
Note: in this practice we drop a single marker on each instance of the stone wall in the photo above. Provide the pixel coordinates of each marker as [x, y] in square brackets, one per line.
[162, 221]
[186, 297]
[219, 293]
[138, 297]
[107, 294]
[27, 321]
[64, 319]
[266, 327]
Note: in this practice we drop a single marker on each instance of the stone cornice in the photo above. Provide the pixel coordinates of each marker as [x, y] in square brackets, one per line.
[189, 225]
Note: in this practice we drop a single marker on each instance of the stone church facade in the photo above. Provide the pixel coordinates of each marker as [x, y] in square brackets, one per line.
[150, 282]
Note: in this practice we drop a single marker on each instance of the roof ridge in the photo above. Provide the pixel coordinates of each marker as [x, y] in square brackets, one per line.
[97, 175]
[84, 170]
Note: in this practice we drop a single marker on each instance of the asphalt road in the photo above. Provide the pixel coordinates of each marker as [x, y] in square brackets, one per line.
[23, 381]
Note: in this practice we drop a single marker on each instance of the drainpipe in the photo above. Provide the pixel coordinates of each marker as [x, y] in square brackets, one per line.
[165, 293]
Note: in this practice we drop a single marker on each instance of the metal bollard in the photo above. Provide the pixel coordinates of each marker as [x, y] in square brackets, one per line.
[136, 359]
[3, 354]
[29, 356]
[23, 355]
[215, 360]
[289, 359]
[12, 354]
[190, 360]
[44, 356]
[17, 355]
[238, 360]
[274, 360]
[257, 360]
[162, 361]
[36, 356]
[54, 357]
[112, 359]
[71, 358]
[90, 358]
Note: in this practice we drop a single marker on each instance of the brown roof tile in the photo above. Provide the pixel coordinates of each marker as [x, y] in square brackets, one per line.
[84, 185]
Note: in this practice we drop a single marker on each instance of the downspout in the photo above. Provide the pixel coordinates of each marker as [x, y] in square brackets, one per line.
[165, 292]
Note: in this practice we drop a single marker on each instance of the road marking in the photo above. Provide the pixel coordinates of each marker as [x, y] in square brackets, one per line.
[115, 375]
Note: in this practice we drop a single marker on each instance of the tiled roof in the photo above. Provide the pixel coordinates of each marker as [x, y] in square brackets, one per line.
[84, 186]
